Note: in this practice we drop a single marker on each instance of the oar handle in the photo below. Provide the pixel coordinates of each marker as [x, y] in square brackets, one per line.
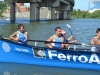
[73, 37]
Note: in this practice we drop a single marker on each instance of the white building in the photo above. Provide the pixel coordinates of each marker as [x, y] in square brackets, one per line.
[96, 7]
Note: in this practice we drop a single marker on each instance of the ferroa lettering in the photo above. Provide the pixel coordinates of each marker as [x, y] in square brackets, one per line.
[93, 58]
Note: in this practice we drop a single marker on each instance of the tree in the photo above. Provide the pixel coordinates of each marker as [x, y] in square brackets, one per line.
[85, 14]
[3, 7]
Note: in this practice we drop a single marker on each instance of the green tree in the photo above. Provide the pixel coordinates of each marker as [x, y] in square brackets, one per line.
[85, 14]
[3, 7]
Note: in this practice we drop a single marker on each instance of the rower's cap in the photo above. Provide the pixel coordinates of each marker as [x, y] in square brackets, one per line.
[63, 31]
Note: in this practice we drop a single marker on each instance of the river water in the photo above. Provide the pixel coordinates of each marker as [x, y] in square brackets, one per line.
[83, 29]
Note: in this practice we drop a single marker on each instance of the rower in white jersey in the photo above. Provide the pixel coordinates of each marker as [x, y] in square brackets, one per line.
[20, 36]
[67, 40]
[96, 39]
[55, 38]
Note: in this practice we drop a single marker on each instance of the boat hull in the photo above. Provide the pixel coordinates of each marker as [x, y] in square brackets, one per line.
[18, 53]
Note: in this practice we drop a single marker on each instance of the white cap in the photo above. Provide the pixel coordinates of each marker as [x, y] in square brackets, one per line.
[63, 32]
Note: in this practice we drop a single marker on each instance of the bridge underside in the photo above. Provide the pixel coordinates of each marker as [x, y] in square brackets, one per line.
[60, 9]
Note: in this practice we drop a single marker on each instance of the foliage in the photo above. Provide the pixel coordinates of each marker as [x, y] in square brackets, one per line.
[3, 7]
[85, 14]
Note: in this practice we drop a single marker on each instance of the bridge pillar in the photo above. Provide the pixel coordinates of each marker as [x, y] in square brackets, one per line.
[53, 16]
[60, 15]
[12, 12]
[57, 15]
[68, 15]
[65, 15]
[37, 13]
[34, 12]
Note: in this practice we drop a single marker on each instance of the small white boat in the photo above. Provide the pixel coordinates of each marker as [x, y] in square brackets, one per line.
[7, 19]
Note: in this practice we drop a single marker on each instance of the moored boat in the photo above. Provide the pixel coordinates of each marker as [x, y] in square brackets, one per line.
[18, 53]
[7, 19]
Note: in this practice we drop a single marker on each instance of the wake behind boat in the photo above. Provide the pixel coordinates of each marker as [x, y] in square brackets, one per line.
[19, 53]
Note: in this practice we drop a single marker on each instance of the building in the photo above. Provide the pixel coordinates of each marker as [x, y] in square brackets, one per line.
[20, 8]
[95, 8]
[20, 4]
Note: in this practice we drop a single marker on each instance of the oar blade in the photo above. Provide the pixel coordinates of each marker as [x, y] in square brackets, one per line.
[68, 26]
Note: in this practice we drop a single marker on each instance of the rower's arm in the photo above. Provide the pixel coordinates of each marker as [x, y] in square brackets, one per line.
[47, 43]
[74, 41]
[70, 38]
[95, 40]
[62, 45]
[26, 37]
[14, 36]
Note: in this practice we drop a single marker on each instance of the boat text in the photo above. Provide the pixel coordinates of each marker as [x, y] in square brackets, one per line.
[93, 58]
[21, 49]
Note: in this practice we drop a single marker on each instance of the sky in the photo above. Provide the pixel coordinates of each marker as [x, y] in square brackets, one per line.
[82, 4]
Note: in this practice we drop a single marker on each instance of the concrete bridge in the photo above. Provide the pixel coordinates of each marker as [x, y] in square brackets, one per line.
[60, 9]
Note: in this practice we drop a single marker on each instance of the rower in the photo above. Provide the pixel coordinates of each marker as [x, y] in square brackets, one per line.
[96, 40]
[55, 38]
[67, 40]
[20, 36]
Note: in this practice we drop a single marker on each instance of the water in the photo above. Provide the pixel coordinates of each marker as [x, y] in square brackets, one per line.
[83, 29]
[23, 69]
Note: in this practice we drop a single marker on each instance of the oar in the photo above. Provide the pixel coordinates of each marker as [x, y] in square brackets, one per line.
[57, 42]
[83, 44]
[4, 38]
[70, 31]
[52, 42]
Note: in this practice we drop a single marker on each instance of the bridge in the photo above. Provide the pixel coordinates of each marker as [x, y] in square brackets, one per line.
[60, 9]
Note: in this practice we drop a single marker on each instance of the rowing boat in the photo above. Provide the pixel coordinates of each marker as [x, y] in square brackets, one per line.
[11, 51]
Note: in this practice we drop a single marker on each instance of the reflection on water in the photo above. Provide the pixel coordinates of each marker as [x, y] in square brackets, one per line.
[23, 69]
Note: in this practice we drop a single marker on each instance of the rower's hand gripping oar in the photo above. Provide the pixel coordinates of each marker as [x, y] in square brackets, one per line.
[70, 31]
